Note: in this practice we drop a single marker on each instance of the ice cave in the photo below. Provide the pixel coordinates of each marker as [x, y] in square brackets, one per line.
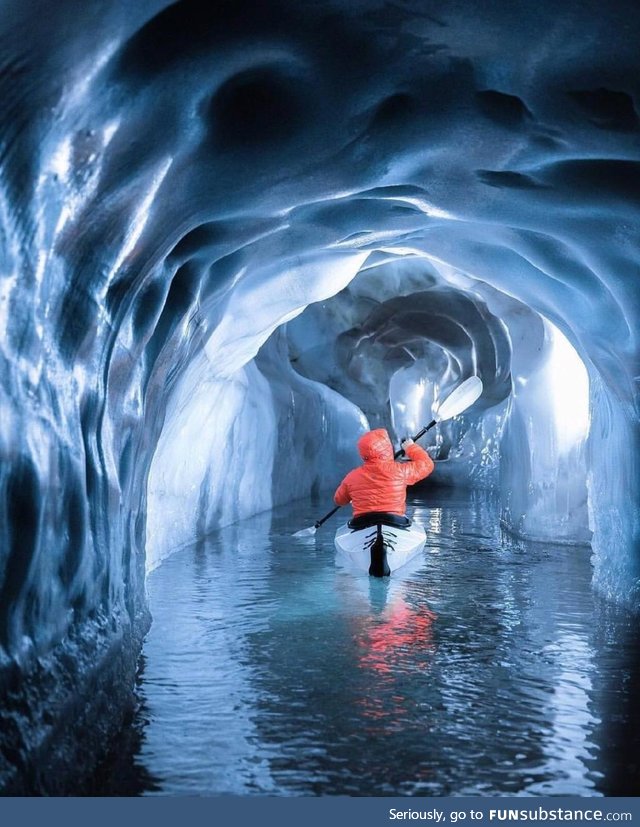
[234, 236]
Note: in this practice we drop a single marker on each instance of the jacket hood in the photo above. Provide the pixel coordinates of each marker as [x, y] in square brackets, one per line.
[375, 445]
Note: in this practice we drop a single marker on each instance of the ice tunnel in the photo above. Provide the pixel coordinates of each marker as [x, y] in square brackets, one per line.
[236, 235]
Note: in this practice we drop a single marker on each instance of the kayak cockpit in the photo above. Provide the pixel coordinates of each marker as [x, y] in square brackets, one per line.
[378, 544]
[373, 518]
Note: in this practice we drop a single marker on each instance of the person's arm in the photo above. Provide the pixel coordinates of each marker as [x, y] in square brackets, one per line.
[421, 464]
[342, 497]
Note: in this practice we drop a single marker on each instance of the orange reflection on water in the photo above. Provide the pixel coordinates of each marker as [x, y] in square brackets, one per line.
[399, 631]
[388, 646]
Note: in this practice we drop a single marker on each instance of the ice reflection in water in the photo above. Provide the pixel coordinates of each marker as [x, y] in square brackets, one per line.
[487, 667]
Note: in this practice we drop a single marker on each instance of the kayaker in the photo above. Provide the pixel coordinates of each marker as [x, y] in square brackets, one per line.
[379, 486]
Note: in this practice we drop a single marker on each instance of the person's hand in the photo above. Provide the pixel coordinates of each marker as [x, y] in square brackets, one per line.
[406, 443]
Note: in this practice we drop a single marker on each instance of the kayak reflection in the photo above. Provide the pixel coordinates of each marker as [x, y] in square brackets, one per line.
[389, 646]
[400, 639]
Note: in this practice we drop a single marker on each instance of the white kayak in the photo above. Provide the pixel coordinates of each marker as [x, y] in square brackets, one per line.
[379, 549]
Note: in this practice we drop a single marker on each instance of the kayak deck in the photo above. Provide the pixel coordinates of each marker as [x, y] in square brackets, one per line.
[360, 548]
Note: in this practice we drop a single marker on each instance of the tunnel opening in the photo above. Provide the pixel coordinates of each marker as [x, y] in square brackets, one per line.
[379, 353]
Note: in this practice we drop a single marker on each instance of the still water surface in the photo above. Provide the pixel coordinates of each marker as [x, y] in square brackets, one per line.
[488, 667]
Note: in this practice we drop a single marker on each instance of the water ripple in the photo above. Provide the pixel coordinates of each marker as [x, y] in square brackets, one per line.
[487, 667]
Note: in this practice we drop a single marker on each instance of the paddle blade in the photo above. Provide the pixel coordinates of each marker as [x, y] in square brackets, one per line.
[460, 399]
[306, 532]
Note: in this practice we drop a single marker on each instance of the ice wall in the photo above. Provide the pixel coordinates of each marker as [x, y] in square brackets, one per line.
[177, 180]
[242, 435]
[543, 470]
[614, 448]
[236, 446]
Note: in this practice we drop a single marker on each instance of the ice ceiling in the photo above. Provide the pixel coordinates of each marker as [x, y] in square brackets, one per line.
[448, 188]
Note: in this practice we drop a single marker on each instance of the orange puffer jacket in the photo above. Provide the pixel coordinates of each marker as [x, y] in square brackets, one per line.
[381, 483]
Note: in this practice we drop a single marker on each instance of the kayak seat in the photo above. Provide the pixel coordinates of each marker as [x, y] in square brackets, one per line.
[375, 517]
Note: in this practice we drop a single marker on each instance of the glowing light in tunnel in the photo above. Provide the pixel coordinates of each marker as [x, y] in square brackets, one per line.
[411, 396]
[414, 404]
[568, 383]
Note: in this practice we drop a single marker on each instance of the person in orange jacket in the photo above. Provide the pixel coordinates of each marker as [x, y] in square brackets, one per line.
[380, 485]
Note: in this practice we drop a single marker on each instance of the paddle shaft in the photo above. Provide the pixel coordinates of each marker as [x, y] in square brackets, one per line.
[418, 436]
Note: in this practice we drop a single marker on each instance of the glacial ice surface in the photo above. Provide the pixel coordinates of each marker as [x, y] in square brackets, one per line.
[233, 235]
